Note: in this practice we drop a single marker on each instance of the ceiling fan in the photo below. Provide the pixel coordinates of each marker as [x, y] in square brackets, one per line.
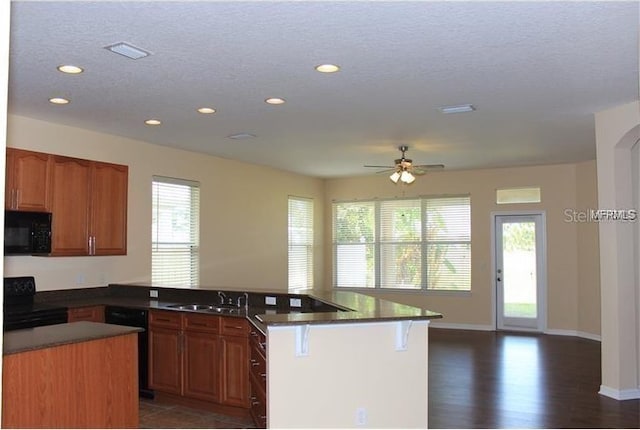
[404, 170]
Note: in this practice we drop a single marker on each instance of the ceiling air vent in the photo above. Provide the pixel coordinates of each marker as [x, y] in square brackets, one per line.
[128, 50]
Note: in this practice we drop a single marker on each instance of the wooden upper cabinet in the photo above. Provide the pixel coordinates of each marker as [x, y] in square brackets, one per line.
[70, 206]
[89, 206]
[28, 181]
[108, 226]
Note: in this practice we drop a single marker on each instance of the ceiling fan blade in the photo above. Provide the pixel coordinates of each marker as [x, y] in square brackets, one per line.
[380, 167]
[386, 170]
[429, 166]
[424, 168]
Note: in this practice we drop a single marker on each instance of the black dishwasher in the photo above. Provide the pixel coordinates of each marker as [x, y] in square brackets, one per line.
[134, 318]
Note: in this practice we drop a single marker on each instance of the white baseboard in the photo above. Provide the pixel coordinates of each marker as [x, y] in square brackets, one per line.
[582, 334]
[483, 327]
[455, 326]
[629, 394]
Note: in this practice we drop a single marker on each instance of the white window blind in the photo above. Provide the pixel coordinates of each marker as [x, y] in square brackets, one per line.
[175, 232]
[420, 243]
[353, 238]
[300, 243]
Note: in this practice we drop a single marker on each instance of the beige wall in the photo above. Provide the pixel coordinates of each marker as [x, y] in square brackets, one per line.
[564, 186]
[617, 131]
[243, 221]
[588, 251]
[244, 224]
[348, 367]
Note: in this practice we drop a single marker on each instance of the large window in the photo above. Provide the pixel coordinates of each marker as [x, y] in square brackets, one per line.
[175, 232]
[412, 244]
[300, 243]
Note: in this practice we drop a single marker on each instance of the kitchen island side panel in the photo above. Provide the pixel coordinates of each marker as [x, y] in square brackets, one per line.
[91, 384]
[371, 375]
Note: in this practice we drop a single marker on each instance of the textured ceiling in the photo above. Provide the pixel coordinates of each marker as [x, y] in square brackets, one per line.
[536, 72]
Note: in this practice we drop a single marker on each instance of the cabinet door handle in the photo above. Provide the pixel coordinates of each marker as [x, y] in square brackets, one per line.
[254, 363]
[17, 198]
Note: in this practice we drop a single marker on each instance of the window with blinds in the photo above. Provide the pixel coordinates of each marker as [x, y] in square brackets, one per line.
[300, 243]
[410, 244]
[175, 232]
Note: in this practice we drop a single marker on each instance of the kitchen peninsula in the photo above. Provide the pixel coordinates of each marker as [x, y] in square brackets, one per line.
[312, 359]
[76, 375]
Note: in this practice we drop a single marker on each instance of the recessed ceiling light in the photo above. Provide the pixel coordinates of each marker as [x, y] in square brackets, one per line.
[70, 69]
[128, 50]
[327, 68]
[275, 101]
[457, 109]
[59, 101]
[240, 136]
[153, 122]
[206, 110]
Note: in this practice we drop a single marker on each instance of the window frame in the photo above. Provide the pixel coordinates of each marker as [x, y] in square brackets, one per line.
[423, 243]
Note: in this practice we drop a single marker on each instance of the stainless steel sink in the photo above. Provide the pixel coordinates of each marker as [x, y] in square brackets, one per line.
[220, 308]
[190, 307]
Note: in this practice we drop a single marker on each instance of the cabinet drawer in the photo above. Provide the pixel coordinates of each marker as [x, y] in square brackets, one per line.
[91, 313]
[165, 319]
[258, 405]
[204, 323]
[258, 365]
[258, 340]
[230, 326]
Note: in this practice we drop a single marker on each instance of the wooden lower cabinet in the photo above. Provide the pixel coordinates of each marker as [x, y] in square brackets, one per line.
[88, 313]
[165, 360]
[201, 357]
[201, 378]
[234, 371]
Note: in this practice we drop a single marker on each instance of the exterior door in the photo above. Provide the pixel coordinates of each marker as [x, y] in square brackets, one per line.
[520, 275]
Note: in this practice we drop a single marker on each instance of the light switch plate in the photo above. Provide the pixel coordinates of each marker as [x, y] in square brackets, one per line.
[269, 300]
[295, 303]
[153, 293]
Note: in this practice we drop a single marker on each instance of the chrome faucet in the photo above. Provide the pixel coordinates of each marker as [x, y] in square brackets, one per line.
[222, 297]
[246, 300]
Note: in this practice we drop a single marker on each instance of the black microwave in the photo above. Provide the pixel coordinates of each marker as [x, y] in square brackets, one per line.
[27, 233]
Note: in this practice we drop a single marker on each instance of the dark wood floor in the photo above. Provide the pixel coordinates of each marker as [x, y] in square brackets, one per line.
[507, 380]
[484, 380]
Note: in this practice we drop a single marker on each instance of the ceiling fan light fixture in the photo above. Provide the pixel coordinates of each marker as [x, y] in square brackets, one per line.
[394, 177]
[407, 177]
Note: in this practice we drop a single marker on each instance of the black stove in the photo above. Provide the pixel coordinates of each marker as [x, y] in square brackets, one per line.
[21, 312]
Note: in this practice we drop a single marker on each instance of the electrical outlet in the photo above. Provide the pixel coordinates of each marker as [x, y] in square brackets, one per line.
[153, 293]
[268, 300]
[361, 417]
[295, 303]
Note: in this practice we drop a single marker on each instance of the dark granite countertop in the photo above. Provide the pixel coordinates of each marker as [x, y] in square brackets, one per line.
[362, 308]
[60, 334]
[343, 306]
